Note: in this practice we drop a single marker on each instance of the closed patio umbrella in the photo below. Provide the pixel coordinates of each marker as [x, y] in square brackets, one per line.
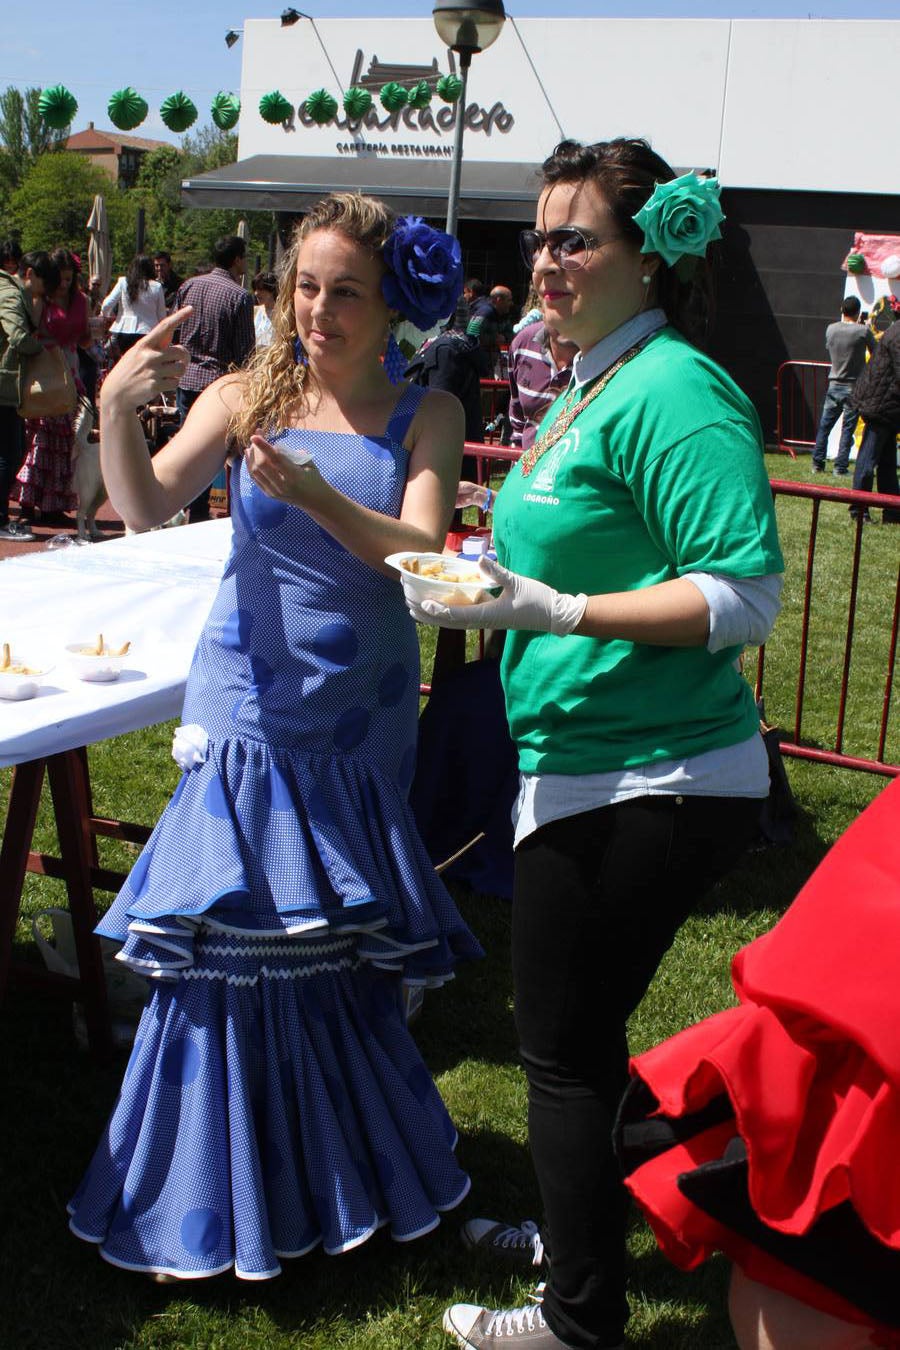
[99, 251]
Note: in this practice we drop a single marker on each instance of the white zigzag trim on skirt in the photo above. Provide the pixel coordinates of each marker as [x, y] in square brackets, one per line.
[274, 948]
[265, 973]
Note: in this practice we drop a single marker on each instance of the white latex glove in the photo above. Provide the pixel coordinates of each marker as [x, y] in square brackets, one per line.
[523, 603]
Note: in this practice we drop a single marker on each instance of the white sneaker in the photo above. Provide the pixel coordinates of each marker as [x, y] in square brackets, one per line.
[478, 1328]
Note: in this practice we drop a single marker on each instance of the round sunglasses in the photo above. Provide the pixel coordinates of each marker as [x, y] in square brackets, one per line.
[569, 247]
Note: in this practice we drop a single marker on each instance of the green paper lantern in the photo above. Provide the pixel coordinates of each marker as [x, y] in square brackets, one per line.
[274, 107]
[419, 95]
[449, 88]
[856, 263]
[126, 109]
[178, 112]
[393, 96]
[57, 106]
[321, 106]
[225, 111]
[357, 103]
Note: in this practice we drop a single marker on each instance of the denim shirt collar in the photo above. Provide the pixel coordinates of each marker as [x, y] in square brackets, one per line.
[588, 365]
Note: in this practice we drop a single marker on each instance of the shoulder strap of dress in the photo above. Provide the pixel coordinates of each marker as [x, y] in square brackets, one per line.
[404, 412]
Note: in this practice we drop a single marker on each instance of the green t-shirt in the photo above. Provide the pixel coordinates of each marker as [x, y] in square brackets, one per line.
[662, 475]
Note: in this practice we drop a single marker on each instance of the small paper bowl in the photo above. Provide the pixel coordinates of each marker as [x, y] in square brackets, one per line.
[17, 687]
[87, 666]
[467, 586]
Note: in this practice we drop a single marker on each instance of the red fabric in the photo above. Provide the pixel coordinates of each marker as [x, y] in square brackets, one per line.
[875, 248]
[67, 327]
[810, 1062]
[44, 481]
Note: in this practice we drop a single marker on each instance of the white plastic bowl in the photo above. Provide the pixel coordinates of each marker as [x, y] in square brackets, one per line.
[464, 583]
[88, 666]
[17, 687]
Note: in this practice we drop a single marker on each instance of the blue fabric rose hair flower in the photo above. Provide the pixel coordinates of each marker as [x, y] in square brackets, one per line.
[681, 218]
[424, 276]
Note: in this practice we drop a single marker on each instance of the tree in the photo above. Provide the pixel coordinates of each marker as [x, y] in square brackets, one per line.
[189, 232]
[24, 133]
[51, 206]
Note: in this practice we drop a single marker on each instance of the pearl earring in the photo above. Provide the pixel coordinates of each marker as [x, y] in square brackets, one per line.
[646, 280]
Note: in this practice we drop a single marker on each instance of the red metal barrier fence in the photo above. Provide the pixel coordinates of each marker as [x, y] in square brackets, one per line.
[492, 461]
[888, 585]
[799, 393]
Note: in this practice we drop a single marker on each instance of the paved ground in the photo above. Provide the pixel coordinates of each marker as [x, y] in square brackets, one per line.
[107, 521]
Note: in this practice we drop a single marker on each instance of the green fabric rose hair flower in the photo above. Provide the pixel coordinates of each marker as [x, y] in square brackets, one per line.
[321, 106]
[178, 112]
[225, 111]
[57, 106]
[274, 107]
[126, 109]
[681, 217]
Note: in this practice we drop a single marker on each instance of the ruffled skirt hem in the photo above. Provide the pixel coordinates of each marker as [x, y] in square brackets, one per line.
[262, 841]
[274, 1102]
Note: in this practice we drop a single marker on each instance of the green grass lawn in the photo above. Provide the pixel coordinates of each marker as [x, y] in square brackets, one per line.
[55, 1292]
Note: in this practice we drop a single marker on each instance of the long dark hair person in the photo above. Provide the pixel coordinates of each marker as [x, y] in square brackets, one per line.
[140, 272]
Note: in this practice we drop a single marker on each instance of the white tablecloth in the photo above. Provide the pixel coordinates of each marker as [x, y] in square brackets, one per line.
[154, 590]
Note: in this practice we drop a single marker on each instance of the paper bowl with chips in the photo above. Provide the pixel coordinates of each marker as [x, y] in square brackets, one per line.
[99, 658]
[21, 673]
[435, 576]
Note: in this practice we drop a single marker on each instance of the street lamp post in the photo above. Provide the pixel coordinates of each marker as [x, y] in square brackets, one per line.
[466, 28]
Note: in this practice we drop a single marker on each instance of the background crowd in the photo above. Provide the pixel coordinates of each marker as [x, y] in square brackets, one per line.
[48, 303]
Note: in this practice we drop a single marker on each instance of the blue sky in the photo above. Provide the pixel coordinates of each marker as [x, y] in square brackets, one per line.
[96, 48]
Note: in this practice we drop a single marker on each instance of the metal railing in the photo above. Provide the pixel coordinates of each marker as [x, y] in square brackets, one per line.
[799, 393]
[491, 460]
[792, 741]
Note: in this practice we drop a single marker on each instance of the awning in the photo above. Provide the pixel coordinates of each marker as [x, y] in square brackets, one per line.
[292, 183]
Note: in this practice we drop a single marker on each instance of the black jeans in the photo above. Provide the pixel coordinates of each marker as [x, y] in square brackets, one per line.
[185, 399]
[598, 900]
[12, 452]
[878, 455]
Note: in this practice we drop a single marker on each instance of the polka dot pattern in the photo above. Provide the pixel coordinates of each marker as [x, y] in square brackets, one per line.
[320, 1139]
[274, 1100]
[201, 1231]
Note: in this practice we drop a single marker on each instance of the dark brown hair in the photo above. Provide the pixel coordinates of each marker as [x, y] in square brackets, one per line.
[65, 260]
[625, 171]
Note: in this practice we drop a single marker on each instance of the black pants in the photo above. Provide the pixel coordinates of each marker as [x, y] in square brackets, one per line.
[598, 900]
[878, 455]
[12, 452]
[198, 509]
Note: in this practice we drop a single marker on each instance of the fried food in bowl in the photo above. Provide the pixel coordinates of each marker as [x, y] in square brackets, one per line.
[97, 659]
[435, 576]
[20, 676]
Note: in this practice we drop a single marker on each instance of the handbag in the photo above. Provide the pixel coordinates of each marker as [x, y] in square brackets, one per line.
[779, 810]
[48, 386]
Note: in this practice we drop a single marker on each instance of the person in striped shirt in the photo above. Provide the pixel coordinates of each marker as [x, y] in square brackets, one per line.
[540, 366]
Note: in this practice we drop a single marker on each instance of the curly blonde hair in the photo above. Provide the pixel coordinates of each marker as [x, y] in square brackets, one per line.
[276, 387]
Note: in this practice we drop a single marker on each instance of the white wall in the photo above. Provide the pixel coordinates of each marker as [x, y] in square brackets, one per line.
[761, 100]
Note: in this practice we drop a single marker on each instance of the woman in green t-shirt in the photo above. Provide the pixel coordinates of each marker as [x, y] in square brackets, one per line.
[639, 556]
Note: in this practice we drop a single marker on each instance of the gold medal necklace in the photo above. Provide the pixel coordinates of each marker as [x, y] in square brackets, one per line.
[570, 411]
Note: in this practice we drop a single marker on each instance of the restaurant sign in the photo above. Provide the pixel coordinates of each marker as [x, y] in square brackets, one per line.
[437, 118]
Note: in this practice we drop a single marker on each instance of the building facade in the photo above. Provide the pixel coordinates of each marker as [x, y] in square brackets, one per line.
[763, 103]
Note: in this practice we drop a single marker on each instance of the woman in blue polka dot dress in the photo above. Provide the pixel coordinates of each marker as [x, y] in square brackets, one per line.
[274, 1100]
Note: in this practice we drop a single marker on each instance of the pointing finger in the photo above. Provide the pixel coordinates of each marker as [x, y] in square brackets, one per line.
[160, 336]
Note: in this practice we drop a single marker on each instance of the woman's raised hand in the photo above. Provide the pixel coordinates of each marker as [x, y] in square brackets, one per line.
[152, 366]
